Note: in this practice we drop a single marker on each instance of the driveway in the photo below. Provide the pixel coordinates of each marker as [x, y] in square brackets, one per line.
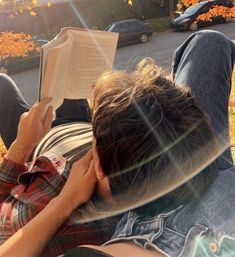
[160, 47]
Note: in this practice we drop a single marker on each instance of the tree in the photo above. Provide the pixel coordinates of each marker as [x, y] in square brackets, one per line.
[18, 6]
[16, 45]
[216, 10]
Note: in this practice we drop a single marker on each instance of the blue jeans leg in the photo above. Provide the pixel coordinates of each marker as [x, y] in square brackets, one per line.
[204, 62]
[12, 105]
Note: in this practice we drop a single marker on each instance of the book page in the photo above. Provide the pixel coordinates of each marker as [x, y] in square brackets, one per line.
[50, 72]
[60, 38]
[92, 53]
[56, 74]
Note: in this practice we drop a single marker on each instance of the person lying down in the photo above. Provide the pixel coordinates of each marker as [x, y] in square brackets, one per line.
[150, 149]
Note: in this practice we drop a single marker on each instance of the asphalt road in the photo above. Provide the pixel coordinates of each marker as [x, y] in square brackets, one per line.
[160, 47]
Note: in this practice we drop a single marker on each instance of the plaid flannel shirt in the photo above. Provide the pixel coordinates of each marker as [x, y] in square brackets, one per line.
[25, 192]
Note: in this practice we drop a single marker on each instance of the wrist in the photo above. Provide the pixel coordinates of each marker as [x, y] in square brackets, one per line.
[69, 201]
[18, 153]
[66, 205]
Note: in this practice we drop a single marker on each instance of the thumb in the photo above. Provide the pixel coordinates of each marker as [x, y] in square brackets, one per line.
[90, 174]
[84, 163]
[48, 118]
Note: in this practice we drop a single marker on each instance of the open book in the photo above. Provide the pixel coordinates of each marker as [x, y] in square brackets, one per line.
[73, 61]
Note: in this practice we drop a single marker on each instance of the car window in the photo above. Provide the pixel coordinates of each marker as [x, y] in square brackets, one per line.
[205, 9]
[141, 24]
[135, 26]
[193, 9]
[123, 27]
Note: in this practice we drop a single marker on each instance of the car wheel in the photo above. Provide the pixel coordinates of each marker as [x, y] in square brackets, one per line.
[193, 26]
[227, 19]
[143, 38]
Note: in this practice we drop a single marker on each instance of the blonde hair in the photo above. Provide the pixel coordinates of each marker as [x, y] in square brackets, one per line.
[117, 83]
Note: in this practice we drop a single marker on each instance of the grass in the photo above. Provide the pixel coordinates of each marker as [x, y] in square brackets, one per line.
[232, 121]
[160, 24]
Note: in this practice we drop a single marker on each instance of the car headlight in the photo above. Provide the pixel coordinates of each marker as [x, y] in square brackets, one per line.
[184, 20]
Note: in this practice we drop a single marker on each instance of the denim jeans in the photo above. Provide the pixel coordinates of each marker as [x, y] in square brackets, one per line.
[202, 228]
[12, 105]
[204, 62]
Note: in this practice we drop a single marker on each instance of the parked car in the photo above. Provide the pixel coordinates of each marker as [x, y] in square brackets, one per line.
[188, 19]
[131, 31]
[17, 64]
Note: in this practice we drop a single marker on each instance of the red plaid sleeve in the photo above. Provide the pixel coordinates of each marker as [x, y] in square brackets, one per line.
[9, 172]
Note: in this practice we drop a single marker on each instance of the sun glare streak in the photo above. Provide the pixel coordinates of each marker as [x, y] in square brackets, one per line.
[80, 18]
[160, 190]
[160, 187]
[148, 123]
[157, 154]
[165, 184]
[201, 247]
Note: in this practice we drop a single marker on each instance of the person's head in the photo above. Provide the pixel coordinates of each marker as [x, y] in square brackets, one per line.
[146, 130]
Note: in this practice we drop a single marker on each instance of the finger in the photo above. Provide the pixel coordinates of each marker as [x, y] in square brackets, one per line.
[45, 100]
[40, 109]
[87, 158]
[91, 175]
[48, 118]
[32, 109]
[43, 103]
[23, 115]
[84, 162]
[88, 155]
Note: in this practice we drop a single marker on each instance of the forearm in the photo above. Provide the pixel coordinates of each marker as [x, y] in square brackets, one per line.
[33, 237]
[19, 154]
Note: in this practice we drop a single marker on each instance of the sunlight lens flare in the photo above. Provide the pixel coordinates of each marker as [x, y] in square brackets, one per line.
[84, 24]
[186, 170]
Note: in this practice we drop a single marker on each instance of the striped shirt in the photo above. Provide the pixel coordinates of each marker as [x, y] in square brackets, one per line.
[25, 191]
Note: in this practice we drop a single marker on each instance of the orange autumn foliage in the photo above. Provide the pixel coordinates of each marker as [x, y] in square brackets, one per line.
[188, 3]
[18, 6]
[213, 12]
[16, 45]
[217, 11]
